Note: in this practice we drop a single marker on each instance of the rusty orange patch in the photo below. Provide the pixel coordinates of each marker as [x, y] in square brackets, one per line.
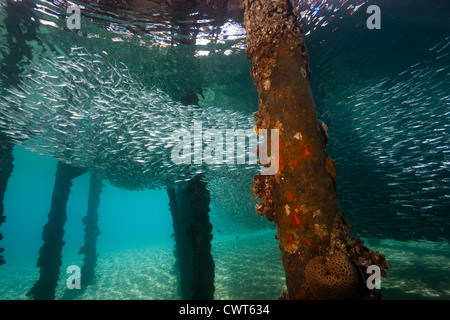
[290, 238]
[306, 151]
[289, 196]
[283, 53]
[296, 220]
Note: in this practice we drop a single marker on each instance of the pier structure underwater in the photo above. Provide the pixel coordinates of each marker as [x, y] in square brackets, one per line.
[92, 113]
[321, 259]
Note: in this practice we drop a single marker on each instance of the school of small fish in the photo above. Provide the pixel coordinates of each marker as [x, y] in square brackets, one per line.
[87, 111]
[391, 144]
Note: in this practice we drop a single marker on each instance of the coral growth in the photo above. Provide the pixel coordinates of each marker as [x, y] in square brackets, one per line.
[361, 256]
[332, 277]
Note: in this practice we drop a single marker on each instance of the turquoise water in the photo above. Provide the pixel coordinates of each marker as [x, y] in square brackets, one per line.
[150, 222]
[384, 95]
[136, 259]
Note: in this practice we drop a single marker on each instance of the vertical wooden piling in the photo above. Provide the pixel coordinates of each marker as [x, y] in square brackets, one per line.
[320, 258]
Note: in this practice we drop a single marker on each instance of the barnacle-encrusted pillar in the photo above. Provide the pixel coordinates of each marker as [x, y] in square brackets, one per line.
[301, 198]
[6, 167]
[50, 254]
[190, 207]
[91, 232]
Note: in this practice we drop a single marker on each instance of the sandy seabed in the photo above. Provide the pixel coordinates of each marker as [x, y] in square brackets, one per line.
[248, 267]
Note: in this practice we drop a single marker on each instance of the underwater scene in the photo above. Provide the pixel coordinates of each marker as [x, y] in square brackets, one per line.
[224, 150]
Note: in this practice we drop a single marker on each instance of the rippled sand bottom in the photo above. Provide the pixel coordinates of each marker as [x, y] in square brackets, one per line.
[247, 268]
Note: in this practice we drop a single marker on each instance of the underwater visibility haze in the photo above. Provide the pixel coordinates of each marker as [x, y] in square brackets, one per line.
[98, 99]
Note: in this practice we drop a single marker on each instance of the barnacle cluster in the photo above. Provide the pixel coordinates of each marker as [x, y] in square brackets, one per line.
[265, 187]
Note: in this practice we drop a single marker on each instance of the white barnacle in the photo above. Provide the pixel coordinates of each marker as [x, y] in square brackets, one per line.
[287, 209]
[316, 213]
[303, 72]
[266, 85]
[298, 136]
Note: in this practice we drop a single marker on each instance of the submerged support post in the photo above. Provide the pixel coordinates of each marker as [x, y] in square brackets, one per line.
[193, 235]
[6, 167]
[183, 251]
[50, 254]
[200, 236]
[20, 28]
[320, 258]
[91, 232]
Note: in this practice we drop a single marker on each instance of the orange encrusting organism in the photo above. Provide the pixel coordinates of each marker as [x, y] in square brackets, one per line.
[296, 220]
[306, 151]
[289, 196]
